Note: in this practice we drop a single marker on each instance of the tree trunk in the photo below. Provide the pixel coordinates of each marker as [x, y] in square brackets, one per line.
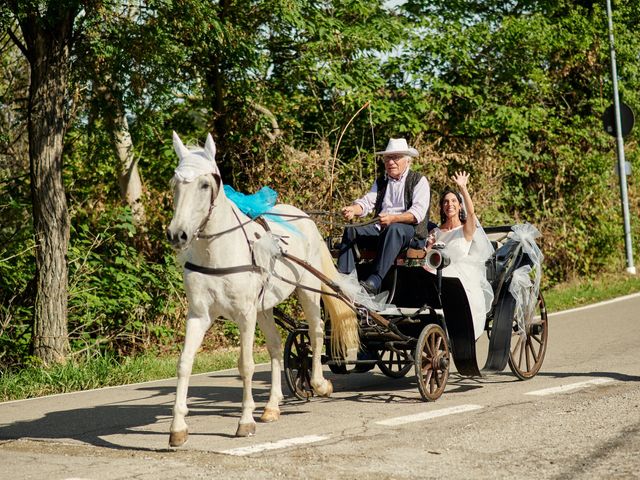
[129, 176]
[48, 51]
[129, 179]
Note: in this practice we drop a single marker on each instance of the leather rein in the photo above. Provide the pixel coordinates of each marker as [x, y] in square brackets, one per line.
[253, 267]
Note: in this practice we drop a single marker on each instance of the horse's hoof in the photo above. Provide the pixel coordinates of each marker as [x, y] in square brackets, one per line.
[327, 391]
[246, 430]
[177, 439]
[270, 415]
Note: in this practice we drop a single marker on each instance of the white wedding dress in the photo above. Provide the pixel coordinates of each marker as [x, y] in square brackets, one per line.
[468, 264]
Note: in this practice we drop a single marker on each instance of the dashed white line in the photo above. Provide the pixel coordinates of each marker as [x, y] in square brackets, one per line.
[403, 420]
[287, 442]
[569, 387]
[420, 417]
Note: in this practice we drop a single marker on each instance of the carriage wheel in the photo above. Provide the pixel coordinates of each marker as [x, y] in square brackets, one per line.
[394, 365]
[297, 364]
[432, 362]
[527, 352]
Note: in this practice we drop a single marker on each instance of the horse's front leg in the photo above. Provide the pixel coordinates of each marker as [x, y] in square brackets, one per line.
[246, 366]
[274, 346]
[311, 305]
[196, 328]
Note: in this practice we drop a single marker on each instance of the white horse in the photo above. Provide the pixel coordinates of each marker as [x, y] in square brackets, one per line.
[211, 232]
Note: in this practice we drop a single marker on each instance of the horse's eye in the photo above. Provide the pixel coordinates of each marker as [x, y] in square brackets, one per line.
[205, 186]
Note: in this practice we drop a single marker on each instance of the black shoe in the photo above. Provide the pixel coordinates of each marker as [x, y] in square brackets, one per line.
[369, 287]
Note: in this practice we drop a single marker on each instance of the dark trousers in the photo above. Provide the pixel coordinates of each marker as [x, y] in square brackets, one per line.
[388, 243]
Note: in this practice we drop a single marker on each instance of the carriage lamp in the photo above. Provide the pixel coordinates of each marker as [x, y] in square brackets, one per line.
[437, 258]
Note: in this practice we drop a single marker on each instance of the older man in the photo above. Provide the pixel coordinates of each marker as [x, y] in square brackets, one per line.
[400, 199]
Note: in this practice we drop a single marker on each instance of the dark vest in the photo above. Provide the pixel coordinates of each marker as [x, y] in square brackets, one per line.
[410, 184]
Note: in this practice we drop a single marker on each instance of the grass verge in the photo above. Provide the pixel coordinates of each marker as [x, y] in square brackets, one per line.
[100, 372]
[577, 293]
[107, 371]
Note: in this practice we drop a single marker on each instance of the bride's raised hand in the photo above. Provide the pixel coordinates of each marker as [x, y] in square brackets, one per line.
[461, 179]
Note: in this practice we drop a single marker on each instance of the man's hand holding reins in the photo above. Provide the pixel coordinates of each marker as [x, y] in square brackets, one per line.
[387, 219]
[351, 211]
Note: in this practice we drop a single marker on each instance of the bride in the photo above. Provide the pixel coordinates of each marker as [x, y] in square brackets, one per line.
[467, 246]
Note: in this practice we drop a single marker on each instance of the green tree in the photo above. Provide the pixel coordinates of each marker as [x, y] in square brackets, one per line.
[47, 33]
[524, 84]
[511, 91]
[301, 67]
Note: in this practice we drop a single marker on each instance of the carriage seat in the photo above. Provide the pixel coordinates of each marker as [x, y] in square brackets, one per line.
[414, 255]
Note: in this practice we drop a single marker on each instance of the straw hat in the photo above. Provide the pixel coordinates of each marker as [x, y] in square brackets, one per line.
[398, 146]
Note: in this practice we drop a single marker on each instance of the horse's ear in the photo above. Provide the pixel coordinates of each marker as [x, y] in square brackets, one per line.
[179, 147]
[210, 148]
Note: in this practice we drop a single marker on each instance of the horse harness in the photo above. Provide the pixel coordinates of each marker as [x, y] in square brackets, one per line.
[226, 270]
[254, 267]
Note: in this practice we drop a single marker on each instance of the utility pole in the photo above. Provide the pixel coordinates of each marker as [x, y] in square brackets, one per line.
[620, 150]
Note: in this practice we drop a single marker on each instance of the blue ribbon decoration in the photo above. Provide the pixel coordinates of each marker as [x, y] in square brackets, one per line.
[257, 204]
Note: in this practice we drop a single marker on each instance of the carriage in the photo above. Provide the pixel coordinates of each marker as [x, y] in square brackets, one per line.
[429, 324]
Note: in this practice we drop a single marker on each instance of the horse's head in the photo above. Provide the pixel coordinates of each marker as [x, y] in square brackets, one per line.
[196, 184]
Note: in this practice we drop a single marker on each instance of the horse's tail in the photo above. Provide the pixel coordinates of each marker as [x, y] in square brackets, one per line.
[344, 322]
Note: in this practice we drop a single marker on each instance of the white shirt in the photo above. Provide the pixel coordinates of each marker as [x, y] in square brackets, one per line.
[393, 201]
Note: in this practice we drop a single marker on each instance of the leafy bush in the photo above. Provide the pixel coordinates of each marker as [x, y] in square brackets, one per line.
[119, 301]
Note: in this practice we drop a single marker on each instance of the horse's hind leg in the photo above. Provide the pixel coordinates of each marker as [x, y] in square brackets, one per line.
[196, 328]
[246, 366]
[274, 346]
[311, 305]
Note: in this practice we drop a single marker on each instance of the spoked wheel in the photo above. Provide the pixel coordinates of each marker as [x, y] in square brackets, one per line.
[432, 362]
[297, 364]
[394, 365]
[527, 351]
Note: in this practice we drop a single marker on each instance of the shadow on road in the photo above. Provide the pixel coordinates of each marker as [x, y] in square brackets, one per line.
[133, 415]
[146, 410]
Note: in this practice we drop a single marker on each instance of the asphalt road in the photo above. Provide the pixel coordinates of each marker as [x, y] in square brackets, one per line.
[578, 418]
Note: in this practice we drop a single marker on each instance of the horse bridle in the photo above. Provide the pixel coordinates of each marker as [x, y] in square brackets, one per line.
[204, 222]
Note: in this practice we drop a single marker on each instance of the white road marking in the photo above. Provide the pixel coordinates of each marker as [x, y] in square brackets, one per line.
[420, 417]
[595, 305]
[287, 442]
[569, 387]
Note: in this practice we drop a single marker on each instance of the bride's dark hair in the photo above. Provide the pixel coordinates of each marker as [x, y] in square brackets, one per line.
[463, 213]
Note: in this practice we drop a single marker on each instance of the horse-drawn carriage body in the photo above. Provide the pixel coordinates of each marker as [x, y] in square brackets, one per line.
[429, 325]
